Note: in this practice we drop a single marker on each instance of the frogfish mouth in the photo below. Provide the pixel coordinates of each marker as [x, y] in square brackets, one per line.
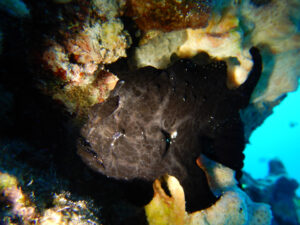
[158, 122]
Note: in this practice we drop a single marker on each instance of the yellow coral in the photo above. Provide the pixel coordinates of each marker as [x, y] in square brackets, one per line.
[7, 181]
[163, 209]
[233, 208]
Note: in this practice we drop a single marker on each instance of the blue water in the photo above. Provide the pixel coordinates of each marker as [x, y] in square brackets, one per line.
[278, 136]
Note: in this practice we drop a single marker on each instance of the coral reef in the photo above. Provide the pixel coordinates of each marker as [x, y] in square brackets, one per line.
[169, 15]
[136, 124]
[278, 190]
[233, 207]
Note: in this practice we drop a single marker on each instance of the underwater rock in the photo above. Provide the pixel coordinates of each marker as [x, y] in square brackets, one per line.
[169, 15]
[233, 207]
[278, 190]
[159, 121]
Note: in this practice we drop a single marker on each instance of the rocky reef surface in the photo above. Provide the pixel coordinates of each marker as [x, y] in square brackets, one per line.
[278, 190]
[157, 97]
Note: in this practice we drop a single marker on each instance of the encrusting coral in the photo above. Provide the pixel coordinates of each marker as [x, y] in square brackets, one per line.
[78, 61]
[233, 206]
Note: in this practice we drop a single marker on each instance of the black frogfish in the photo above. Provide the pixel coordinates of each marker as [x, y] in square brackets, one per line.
[159, 121]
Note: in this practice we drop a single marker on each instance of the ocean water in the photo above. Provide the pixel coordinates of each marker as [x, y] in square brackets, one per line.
[277, 137]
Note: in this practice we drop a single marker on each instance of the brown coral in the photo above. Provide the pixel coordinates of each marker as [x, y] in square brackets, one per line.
[168, 15]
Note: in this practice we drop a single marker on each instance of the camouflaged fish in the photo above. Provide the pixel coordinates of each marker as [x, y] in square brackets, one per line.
[159, 121]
